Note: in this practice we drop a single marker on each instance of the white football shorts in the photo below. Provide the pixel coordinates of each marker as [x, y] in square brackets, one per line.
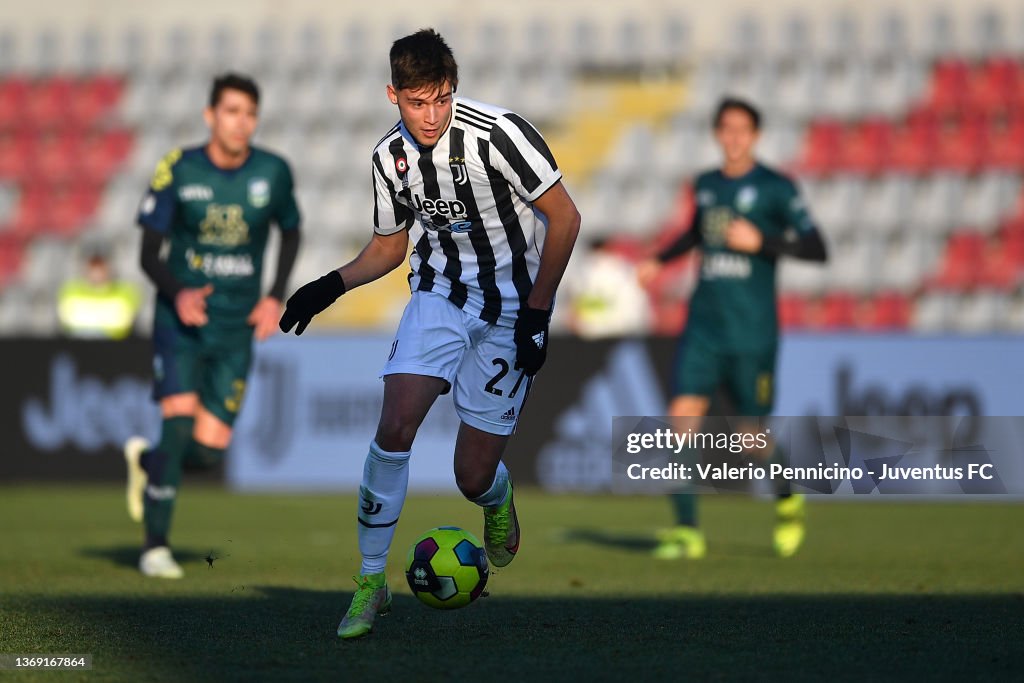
[476, 358]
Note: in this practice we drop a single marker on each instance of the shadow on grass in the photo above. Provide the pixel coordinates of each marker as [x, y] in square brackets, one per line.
[645, 543]
[128, 555]
[278, 634]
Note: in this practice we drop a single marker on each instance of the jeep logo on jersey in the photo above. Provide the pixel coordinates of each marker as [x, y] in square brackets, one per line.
[439, 208]
[259, 192]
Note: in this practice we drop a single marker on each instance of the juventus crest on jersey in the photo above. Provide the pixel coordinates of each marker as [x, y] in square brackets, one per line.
[467, 203]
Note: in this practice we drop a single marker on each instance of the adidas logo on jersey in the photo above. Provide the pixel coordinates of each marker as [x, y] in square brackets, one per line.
[509, 415]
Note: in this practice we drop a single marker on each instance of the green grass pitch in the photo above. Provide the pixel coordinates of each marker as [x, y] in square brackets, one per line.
[897, 591]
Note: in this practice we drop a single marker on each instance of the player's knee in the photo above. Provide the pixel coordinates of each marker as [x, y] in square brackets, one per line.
[201, 456]
[395, 435]
[688, 406]
[473, 483]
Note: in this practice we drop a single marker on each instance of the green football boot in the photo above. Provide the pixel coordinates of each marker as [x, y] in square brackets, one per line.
[501, 531]
[789, 531]
[680, 543]
[373, 597]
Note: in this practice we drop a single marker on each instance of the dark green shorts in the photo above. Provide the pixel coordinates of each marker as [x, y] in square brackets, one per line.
[747, 377]
[211, 361]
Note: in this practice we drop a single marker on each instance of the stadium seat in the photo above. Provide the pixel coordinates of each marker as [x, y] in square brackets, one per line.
[961, 144]
[950, 81]
[980, 311]
[961, 264]
[821, 148]
[792, 311]
[839, 311]
[1004, 148]
[887, 311]
[933, 312]
[11, 254]
[14, 95]
[864, 147]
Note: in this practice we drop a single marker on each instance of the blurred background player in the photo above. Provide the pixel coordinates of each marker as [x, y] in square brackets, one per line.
[747, 215]
[214, 204]
[477, 192]
[97, 305]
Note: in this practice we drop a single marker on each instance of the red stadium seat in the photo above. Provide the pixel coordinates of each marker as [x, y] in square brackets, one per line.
[821, 148]
[93, 99]
[887, 311]
[16, 152]
[11, 251]
[56, 157]
[793, 314]
[71, 209]
[49, 103]
[31, 215]
[913, 144]
[948, 87]
[961, 265]
[999, 268]
[864, 148]
[991, 87]
[1004, 143]
[14, 94]
[103, 154]
[839, 311]
[961, 145]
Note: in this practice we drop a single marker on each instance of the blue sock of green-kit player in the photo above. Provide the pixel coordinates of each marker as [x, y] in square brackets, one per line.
[499, 490]
[685, 507]
[684, 501]
[381, 496]
[199, 456]
[163, 473]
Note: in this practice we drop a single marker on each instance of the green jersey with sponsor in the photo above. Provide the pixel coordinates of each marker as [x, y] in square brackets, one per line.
[217, 222]
[733, 307]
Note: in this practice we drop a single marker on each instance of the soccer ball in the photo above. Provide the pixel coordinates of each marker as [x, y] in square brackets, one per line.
[446, 568]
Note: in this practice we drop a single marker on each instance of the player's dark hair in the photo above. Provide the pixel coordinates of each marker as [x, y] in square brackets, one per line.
[422, 60]
[233, 81]
[736, 103]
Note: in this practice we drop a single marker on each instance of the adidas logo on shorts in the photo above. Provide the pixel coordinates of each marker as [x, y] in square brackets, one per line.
[510, 414]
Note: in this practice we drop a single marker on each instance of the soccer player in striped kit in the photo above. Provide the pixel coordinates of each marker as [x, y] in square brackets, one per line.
[476, 191]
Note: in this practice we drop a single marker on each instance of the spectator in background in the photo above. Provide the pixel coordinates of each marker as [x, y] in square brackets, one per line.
[605, 299]
[96, 305]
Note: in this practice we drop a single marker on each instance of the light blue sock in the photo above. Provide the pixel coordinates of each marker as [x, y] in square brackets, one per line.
[381, 496]
[499, 491]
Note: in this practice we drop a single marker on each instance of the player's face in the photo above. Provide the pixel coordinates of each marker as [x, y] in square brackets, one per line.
[233, 121]
[736, 135]
[425, 111]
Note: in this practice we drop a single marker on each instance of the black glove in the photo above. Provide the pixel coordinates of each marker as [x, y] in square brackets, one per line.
[531, 337]
[312, 298]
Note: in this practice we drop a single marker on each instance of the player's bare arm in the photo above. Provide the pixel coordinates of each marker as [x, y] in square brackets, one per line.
[383, 254]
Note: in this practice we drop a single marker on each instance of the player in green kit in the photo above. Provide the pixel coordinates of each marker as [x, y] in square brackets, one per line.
[747, 216]
[214, 204]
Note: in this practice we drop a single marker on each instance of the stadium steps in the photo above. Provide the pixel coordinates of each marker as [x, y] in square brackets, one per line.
[601, 110]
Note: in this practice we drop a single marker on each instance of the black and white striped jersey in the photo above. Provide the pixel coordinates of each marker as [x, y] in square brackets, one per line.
[467, 203]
